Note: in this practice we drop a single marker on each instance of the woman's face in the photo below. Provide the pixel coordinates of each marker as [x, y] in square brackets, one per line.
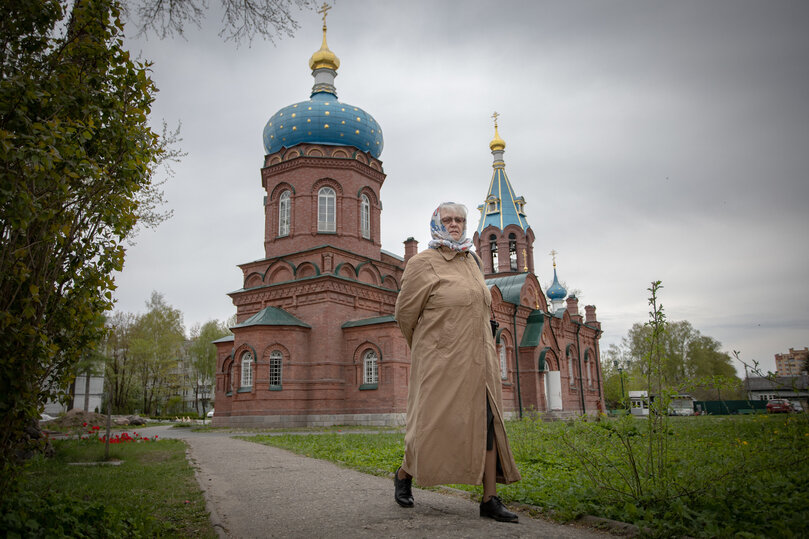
[455, 223]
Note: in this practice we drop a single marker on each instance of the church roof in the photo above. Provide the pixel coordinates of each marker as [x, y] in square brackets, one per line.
[509, 286]
[272, 316]
[502, 206]
[369, 321]
[323, 119]
[226, 338]
[533, 329]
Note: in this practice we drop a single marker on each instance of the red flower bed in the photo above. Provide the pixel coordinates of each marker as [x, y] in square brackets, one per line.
[121, 438]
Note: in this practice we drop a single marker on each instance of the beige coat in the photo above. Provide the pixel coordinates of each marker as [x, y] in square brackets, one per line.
[443, 311]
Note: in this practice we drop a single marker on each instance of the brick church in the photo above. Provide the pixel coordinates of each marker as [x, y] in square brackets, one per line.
[315, 342]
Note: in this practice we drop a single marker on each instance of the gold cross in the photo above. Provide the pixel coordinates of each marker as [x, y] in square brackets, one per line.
[553, 253]
[324, 9]
[495, 116]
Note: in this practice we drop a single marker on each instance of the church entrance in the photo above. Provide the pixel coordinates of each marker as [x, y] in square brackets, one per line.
[553, 390]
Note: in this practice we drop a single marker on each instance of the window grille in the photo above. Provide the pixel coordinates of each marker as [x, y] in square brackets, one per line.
[570, 369]
[325, 210]
[365, 217]
[276, 359]
[247, 370]
[283, 213]
[370, 368]
[503, 364]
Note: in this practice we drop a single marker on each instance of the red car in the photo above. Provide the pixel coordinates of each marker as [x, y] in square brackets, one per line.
[779, 405]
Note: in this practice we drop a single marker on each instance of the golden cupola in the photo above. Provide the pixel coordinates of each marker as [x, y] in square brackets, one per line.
[497, 144]
[324, 58]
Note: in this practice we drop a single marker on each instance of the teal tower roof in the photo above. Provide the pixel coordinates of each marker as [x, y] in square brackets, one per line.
[502, 207]
[323, 119]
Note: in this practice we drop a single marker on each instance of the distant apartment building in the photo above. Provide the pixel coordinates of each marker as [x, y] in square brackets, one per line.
[86, 393]
[791, 364]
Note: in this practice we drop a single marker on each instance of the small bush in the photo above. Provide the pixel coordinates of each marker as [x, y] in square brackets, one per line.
[27, 514]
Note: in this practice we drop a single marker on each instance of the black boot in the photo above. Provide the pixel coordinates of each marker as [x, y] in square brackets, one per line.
[402, 490]
[495, 509]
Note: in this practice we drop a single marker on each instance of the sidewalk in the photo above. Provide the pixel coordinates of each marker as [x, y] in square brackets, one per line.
[255, 490]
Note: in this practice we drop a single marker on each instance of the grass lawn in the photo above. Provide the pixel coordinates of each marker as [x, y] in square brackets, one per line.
[722, 476]
[152, 492]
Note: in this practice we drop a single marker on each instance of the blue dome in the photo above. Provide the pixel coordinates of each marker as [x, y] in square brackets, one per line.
[323, 120]
[556, 291]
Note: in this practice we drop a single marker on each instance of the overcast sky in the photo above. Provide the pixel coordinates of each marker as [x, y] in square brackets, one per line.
[651, 141]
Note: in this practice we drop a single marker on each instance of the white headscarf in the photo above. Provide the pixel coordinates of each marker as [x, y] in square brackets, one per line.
[441, 237]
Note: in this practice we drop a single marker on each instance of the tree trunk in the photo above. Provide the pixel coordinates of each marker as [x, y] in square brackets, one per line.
[87, 391]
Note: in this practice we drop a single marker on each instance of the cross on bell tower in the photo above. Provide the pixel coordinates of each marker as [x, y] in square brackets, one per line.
[504, 239]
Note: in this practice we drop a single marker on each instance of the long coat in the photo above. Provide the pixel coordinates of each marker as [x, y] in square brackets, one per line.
[443, 310]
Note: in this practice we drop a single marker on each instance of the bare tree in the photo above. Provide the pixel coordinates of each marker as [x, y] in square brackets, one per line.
[241, 19]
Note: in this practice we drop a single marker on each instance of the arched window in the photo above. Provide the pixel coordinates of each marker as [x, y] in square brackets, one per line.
[493, 251]
[370, 368]
[512, 251]
[326, 210]
[283, 213]
[570, 368]
[365, 217]
[503, 364]
[230, 379]
[276, 359]
[247, 370]
[589, 367]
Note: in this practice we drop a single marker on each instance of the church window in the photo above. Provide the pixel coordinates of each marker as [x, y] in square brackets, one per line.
[365, 216]
[230, 379]
[247, 370]
[275, 369]
[512, 251]
[570, 369]
[370, 368]
[283, 214]
[503, 363]
[325, 210]
[589, 373]
[493, 251]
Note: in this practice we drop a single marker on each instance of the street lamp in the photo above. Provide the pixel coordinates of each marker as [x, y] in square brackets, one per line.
[621, 375]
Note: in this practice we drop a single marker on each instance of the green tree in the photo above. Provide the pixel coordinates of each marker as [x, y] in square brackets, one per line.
[613, 365]
[157, 340]
[76, 155]
[690, 362]
[202, 355]
[119, 374]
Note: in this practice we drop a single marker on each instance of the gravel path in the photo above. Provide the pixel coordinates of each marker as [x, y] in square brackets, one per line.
[254, 490]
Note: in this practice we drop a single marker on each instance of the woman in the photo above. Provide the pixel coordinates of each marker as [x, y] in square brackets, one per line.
[455, 431]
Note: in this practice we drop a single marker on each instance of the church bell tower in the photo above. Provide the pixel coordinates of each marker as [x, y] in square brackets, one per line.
[504, 239]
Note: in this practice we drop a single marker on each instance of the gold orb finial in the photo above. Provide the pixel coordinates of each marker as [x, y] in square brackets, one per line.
[324, 58]
[497, 144]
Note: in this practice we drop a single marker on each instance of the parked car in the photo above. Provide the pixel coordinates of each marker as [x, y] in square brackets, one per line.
[210, 414]
[779, 406]
[796, 406]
